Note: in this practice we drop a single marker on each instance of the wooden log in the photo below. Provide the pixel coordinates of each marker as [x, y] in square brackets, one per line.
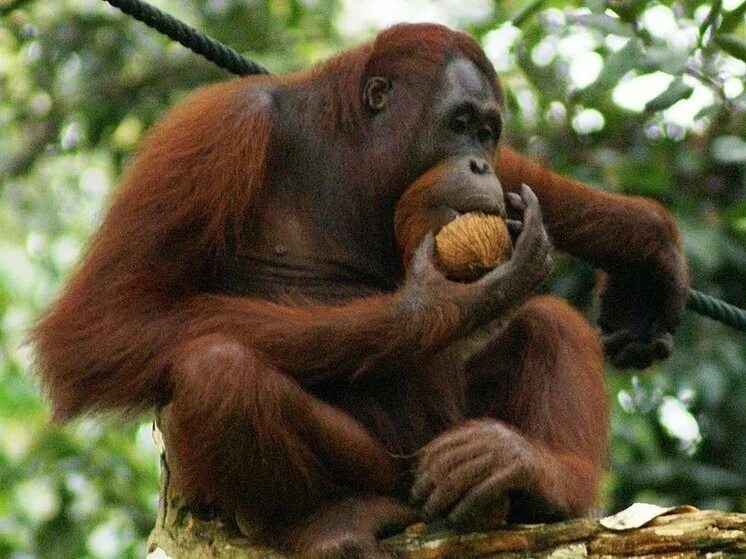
[178, 534]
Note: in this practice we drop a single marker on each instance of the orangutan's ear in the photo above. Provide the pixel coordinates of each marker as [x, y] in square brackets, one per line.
[377, 93]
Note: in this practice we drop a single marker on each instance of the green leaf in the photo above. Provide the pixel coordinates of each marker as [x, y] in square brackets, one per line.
[604, 23]
[596, 6]
[731, 44]
[675, 92]
[619, 63]
[544, 79]
[733, 18]
[717, 5]
[709, 110]
[666, 60]
[526, 12]
[628, 10]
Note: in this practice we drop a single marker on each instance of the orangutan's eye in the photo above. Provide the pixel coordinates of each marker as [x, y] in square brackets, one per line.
[486, 134]
[460, 124]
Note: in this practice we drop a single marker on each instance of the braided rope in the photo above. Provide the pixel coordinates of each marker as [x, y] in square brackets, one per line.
[205, 46]
[713, 308]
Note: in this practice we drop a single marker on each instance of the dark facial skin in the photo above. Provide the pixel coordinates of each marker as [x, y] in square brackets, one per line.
[461, 131]
[464, 118]
[458, 134]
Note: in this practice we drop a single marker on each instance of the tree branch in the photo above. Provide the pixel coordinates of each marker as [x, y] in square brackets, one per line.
[675, 536]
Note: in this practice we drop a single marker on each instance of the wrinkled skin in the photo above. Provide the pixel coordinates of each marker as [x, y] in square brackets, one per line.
[468, 472]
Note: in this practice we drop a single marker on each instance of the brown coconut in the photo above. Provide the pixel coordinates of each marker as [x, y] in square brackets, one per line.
[471, 244]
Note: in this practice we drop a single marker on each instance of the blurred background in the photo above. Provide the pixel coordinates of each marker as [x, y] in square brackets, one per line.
[629, 96]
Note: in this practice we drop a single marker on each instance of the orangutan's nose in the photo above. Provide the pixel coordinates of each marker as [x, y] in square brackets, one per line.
[479, 166]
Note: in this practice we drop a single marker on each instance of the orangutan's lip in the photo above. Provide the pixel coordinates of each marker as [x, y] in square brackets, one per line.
[500, 212]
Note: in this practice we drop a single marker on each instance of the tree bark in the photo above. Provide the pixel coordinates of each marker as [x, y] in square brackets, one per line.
[179, 534]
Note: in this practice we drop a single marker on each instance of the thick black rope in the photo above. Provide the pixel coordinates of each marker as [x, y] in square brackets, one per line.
[205, 46]
[713, 308]
[230, 60]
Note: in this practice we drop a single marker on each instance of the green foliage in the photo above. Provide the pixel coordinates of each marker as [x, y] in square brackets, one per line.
[634, 97]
